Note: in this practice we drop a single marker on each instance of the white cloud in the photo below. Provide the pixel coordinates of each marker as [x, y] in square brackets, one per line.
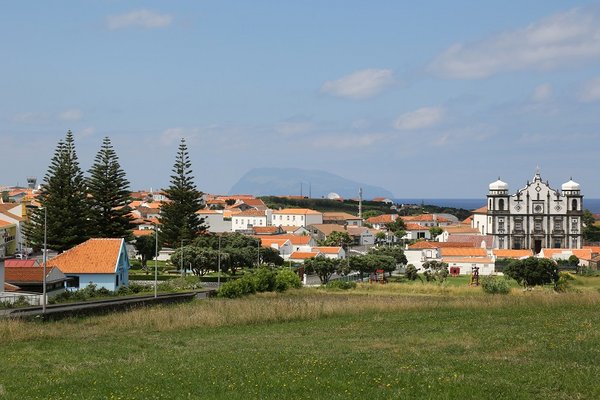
[360, 84]
[291, 128]
[30, 118]
[70, 115]
[347, 141]
[568, 38]
[590, 91]
[422, 118]
[139, 19]
[542, 93]
[86, 132]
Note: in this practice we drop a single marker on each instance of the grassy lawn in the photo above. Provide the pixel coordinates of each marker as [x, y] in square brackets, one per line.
[377, 342]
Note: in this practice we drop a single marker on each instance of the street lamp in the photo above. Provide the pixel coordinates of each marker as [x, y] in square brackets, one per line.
[45, 260]
[258, 253]
[156, 260]
[219, 265]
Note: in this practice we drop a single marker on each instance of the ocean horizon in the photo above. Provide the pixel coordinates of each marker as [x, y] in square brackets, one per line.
[471, 204]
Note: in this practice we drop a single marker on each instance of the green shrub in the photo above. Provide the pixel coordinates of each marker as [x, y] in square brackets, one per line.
[563, 284]
[231, 289]
[411, 272]
[342, 285]
[286, 279]
[265, 279]
[494, 285]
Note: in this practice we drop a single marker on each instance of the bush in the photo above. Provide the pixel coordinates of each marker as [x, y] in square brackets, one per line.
[494, 285]
[231, 290]
[563, 284]
[286, 279]
[189, 282]
[411, 272]
[342, 285]
[265, 279]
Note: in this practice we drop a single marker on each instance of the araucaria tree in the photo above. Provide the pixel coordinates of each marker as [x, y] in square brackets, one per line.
[63, 201]
[109, 196]
[178, 216]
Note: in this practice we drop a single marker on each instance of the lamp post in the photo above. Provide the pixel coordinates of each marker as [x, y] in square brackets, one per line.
[219, 265]
[156, 261]
[258, 253]
[45, 260]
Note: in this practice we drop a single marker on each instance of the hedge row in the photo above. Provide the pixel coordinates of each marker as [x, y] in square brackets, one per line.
[263, 280]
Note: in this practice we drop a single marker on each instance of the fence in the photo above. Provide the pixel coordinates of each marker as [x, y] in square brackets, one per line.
[9, 299]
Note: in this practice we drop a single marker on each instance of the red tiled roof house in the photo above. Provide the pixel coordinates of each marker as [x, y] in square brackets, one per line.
[103, 262]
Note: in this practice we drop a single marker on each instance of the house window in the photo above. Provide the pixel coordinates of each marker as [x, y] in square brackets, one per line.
[116, 281]
[73, 282]
[288, 217]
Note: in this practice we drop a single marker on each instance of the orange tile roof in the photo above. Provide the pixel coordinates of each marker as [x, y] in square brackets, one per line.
[267, 242]
[425, 217]
[5, 224]
[509, 253]
[251, 213]
[382, 219]
[298, 240]
[208, 211]
[142, 232]
[94, 256]
[422, 244]
[327, 249]
[297, 211]
[594, 249]
[582, 254]
[468, 260]
[303, 255]
[458, 229]
[339, 215]
[18, 275]
[265, 230]
[289, 228]
[10, 263]
[463, 252]
[480, 210]
[416, 227]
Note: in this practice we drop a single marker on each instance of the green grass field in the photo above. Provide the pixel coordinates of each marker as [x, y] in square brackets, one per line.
[376, 342]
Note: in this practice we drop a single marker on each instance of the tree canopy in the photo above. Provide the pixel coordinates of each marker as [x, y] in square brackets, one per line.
[109, 196]
[63, 201]
[322, 266]
[178, 216]
[533, 271]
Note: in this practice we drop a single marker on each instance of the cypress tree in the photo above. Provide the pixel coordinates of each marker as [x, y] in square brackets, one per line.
[63, 198]
[178, 217]
[109, 196]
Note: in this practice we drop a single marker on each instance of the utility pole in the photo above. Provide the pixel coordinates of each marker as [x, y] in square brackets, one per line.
[360, 203]
[45, 259]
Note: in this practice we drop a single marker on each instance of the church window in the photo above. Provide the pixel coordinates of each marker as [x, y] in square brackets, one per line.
[490, 204]
[574, 243]
[574, 205]
[501, 204]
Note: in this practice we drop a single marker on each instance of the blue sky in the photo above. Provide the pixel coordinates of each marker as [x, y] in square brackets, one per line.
[434, 99]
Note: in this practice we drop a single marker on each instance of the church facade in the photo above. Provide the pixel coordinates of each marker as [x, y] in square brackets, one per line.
[534, 217]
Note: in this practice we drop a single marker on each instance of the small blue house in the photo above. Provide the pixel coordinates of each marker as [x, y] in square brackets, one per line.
[102, 262]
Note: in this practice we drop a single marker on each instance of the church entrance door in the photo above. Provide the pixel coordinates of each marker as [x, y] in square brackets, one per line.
[537, 246]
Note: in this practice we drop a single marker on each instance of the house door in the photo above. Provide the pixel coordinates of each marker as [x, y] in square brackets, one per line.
[537, 246]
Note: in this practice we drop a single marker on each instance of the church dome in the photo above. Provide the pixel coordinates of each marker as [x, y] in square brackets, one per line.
[499, 185]
[570, 186]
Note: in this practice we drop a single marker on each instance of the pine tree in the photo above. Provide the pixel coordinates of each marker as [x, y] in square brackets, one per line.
[109, 196]
[178, 216]
[63, 198]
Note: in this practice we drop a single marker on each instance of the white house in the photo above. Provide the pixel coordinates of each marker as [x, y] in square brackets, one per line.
[335, 252]
[283, 245]
[246, 220]
[296, 217]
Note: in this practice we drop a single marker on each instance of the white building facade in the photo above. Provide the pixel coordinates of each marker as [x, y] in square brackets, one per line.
[535, 217]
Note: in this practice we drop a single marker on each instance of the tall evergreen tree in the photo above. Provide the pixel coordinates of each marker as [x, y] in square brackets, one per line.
[63, 198]
[178, 216]
[109, 196]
